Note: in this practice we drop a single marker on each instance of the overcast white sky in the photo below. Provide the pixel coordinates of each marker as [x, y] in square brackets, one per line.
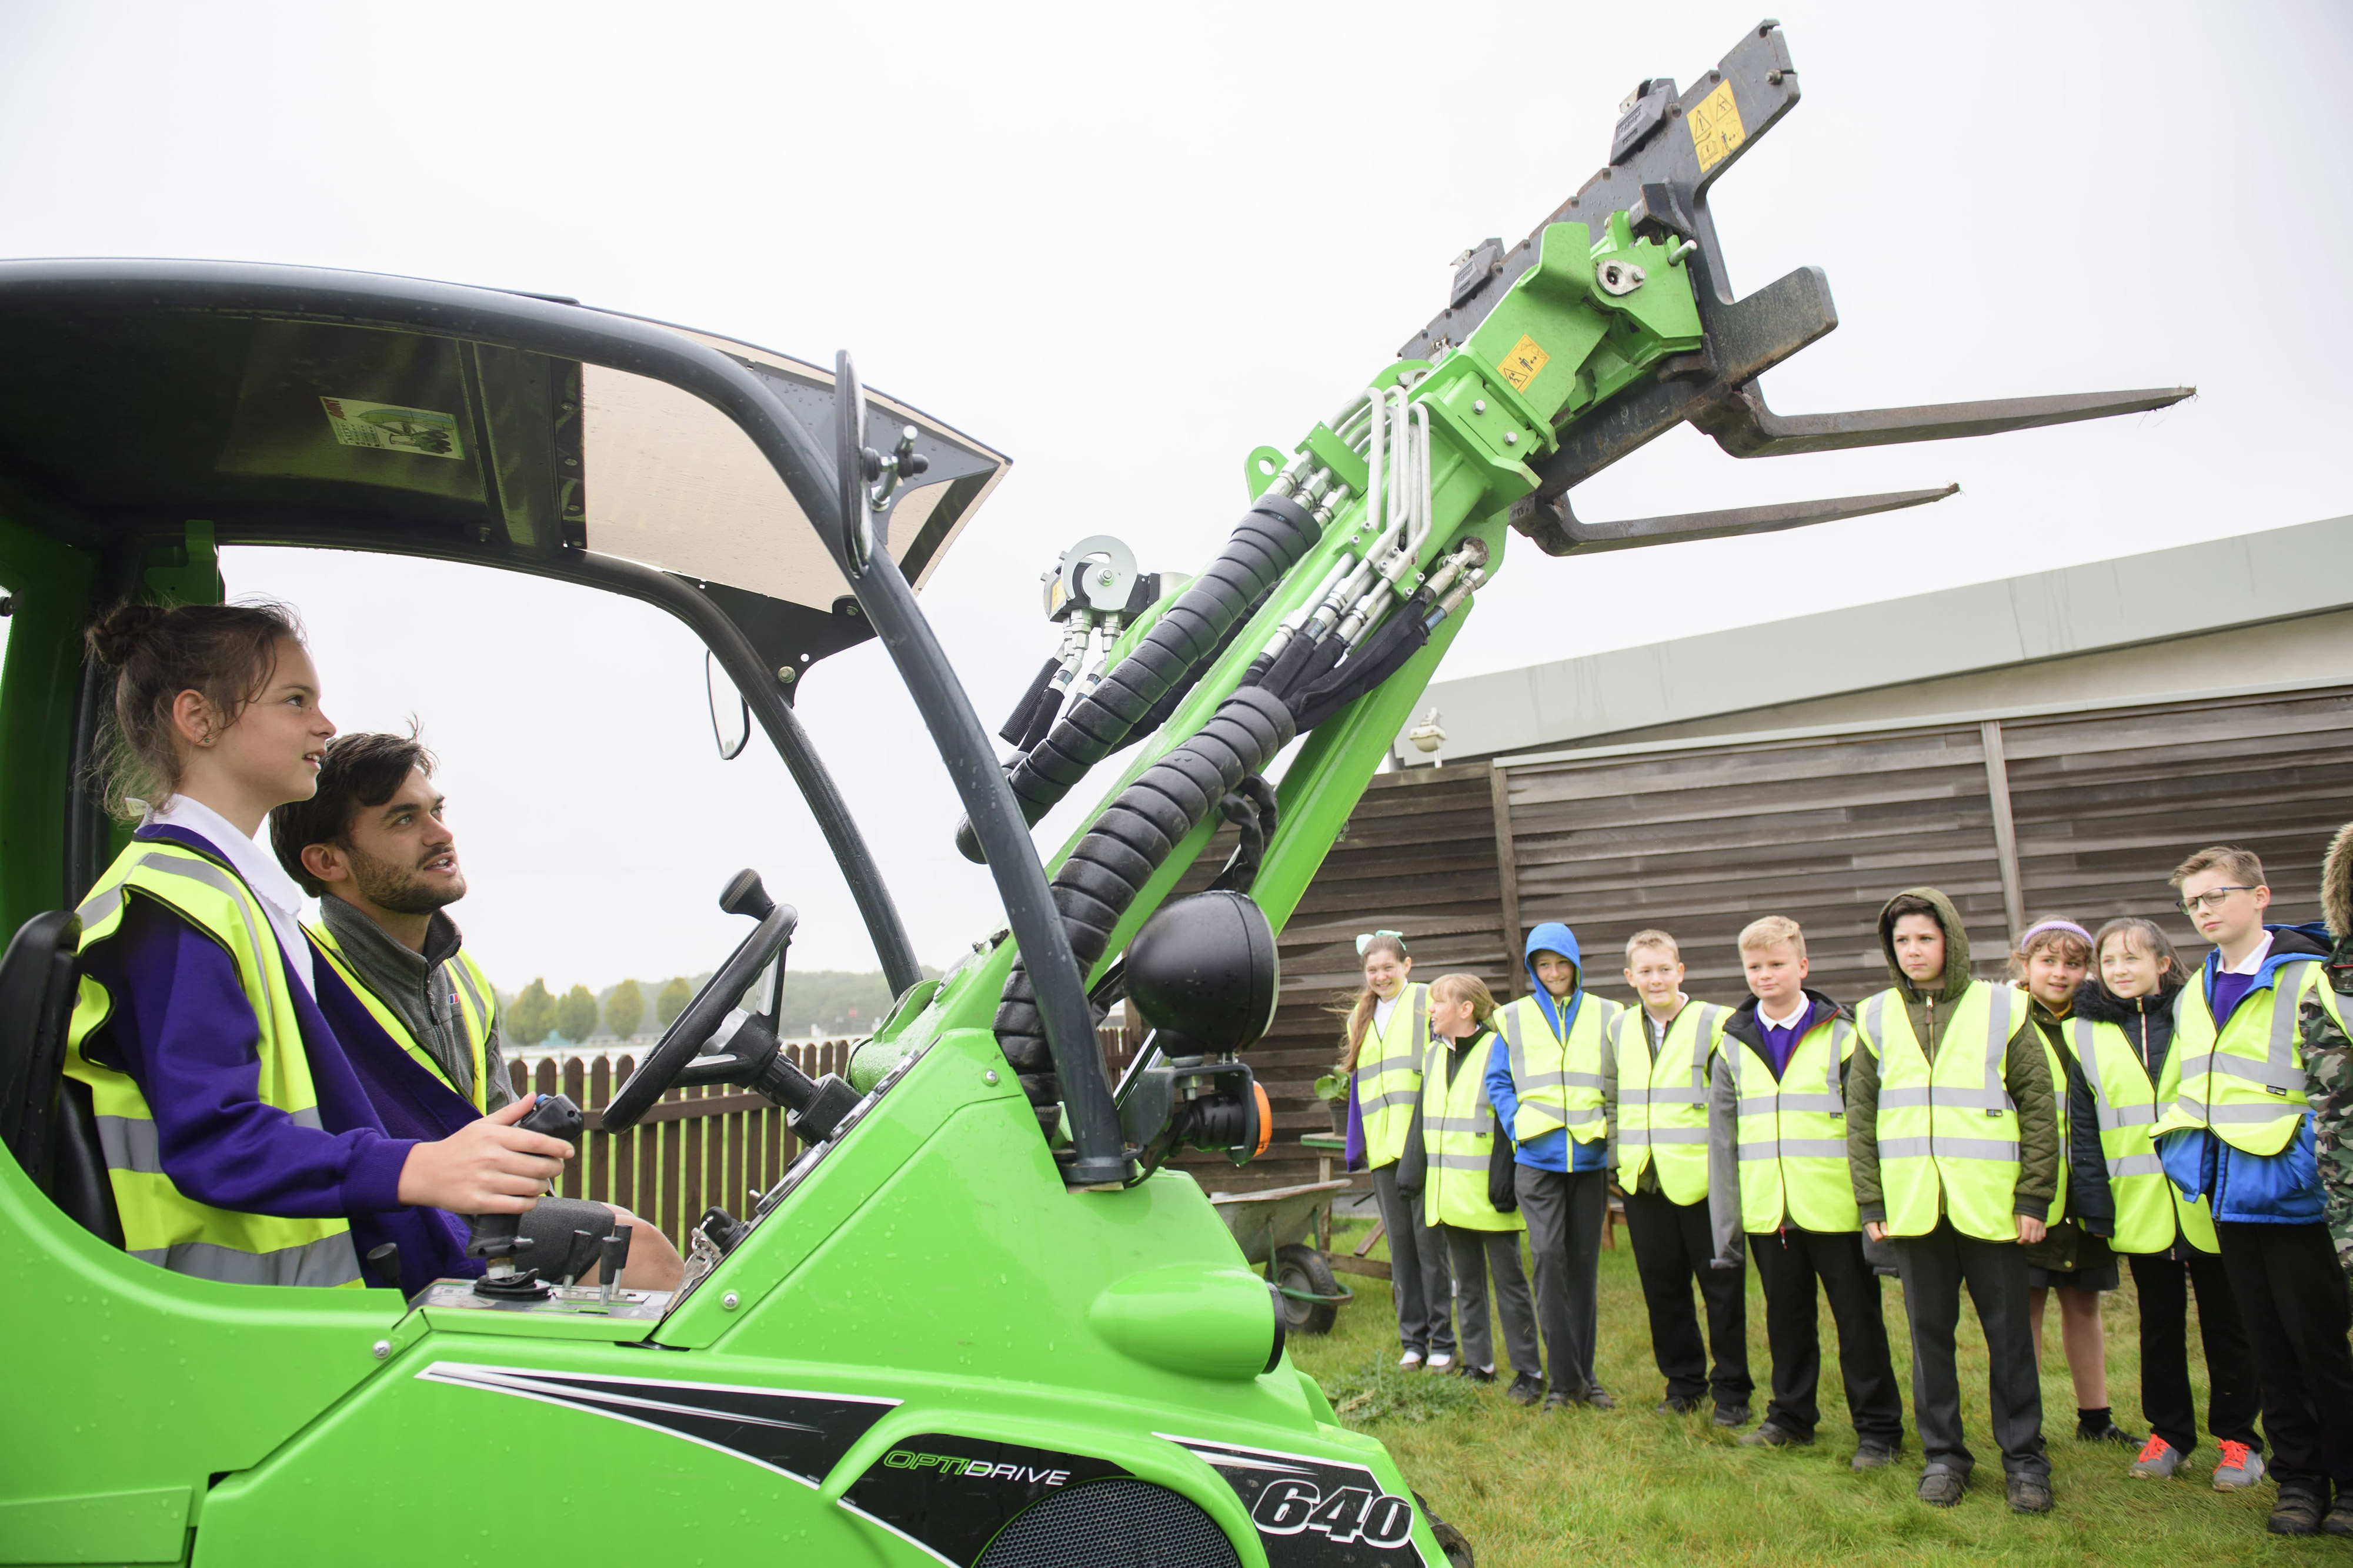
[1127, 245]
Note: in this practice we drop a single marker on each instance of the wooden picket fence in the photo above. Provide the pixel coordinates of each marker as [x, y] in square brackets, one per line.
[697, 1148]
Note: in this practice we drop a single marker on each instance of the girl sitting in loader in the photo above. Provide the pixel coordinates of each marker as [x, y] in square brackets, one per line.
[238, 1142]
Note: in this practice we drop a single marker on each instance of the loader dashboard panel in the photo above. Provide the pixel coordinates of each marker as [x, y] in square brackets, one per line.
[564, 1301]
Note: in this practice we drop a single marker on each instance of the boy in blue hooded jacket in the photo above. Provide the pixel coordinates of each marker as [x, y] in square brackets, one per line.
[1544, 1078]
[2235, 1125]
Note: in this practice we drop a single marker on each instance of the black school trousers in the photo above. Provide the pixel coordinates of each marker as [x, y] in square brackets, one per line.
[1935, 1267]
[2164, 1281]
[2293, 1302]
[1789, 1264]
[1673, 1247]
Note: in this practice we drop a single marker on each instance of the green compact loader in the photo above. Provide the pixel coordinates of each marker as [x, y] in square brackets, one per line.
[980, 1319]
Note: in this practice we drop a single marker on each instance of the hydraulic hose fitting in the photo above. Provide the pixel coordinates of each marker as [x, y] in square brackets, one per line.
[1470, 584]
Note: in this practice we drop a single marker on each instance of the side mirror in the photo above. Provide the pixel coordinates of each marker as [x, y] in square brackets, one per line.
[732, 734]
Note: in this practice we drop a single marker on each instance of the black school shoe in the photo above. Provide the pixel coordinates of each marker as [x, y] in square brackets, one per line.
[2297, 1513]
[2105, 1430]
[1731, 1415]
[1771, 1435]
[1478, 1374]
[1678, 1404]
[2339, 1520]
[1873, 1454]
[1942, 1488]
[2029, 1494]
[1525, 1389]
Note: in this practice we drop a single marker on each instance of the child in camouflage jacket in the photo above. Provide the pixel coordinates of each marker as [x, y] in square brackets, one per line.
[2329, 1054]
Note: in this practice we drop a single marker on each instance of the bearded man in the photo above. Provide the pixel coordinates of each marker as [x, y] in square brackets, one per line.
[372, 846]
[415, 1013]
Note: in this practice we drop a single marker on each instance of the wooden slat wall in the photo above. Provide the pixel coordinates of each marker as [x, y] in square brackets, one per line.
[2107, 805]
[1701, 841]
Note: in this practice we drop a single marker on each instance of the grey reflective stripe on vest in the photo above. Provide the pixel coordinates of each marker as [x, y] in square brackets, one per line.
[1394, 1096]
[1456, 1123]
[2111, 1115]
[1640, 1135]
[1948, 1149]
[1525, 1081]
[129, 1143]
[329, 1261]
[1829, 1104]
[2246, 1115]
[1444, 1162]
[100, 905]
[1872, 1019]
[1992, 1097]
[2136, 1165]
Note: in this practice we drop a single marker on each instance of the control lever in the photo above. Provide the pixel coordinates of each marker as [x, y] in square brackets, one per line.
[498, 1236]
[382, 1266]
[612, 1256]
[580, 1254]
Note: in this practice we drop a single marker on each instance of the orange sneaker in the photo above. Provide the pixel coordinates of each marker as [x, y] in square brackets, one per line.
[2158, 1459]
[2241, 1467]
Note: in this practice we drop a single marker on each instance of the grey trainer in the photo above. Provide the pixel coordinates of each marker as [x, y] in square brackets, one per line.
[2158, 1459]
[2241, 1467]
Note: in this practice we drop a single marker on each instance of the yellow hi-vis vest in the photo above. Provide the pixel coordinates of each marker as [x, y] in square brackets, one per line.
[1388, 1076]
[2247, 1086]
[159, 1224]
[1948, 1134]
[1663, 1099]
[476, 1007]
[1793, 1132]
[1557, 1081]
[2146, 1210]
[1458, 1135]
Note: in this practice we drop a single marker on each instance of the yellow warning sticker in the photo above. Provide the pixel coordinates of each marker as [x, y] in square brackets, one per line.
[1715, 127]
[1520, 366]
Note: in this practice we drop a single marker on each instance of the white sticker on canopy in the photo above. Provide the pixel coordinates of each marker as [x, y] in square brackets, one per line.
[390, 427]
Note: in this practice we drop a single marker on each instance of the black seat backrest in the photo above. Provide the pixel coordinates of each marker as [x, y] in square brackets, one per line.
[46, 1118]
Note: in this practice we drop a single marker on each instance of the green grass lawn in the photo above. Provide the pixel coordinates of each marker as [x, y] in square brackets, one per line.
[1632, 1486]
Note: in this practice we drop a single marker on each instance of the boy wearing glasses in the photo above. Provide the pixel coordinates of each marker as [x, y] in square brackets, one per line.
[2235, 1126]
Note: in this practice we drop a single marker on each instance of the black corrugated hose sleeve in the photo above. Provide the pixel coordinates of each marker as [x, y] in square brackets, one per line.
[1128, 842]
[1359, 675]
[1268, 541]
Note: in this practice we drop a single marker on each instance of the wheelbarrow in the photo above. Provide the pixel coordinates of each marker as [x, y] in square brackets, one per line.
[1276, 1228]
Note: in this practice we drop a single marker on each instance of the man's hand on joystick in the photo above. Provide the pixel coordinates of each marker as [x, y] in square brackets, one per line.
[490, 1166]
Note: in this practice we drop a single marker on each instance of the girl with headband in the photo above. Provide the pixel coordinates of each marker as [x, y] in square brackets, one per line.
[2075, 1259]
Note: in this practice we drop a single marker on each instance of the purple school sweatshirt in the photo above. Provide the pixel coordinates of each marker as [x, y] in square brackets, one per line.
[183, 1030]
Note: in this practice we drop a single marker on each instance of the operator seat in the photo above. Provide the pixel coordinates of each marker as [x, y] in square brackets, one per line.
[45, 1118]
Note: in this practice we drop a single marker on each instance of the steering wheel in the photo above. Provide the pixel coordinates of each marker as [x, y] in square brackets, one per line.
[684, 1039]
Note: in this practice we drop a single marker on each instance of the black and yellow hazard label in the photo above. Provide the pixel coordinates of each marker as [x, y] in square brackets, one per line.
[1716, 127]
[1520, 366]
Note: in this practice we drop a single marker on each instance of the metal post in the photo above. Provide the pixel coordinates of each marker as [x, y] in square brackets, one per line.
[1507, 873]
[2005, 832]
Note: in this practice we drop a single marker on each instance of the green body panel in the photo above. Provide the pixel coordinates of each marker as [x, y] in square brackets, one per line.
[150, 1382]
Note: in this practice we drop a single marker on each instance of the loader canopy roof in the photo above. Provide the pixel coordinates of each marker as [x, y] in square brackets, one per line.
[296, 419]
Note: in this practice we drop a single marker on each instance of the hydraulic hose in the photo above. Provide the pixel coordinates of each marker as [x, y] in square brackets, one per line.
[1268, 541]
[1135, 833]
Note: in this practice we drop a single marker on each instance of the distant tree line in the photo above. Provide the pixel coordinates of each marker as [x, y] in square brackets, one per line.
[819, 1001]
